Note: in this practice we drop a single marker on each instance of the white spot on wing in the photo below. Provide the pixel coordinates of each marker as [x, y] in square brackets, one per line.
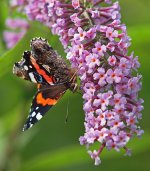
[38, 116]
[26, 68]
[37, 108]
[32, 77]
[33, 114]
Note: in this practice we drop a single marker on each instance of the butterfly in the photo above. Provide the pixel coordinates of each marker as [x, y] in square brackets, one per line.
[43, 66]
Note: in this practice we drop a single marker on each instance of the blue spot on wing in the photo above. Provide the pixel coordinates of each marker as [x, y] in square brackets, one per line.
[38, 78]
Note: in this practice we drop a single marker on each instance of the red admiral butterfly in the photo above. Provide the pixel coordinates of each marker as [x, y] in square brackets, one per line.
[42, 65]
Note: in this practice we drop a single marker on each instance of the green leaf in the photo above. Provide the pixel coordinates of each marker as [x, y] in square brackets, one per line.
[139, 34]
[3, 16]
[76, 154]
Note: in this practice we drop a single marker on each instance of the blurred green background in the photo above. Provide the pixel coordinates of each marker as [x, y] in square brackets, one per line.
[52, 144]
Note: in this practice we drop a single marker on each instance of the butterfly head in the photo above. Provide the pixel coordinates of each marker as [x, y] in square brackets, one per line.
[17, 70]
[21, 68]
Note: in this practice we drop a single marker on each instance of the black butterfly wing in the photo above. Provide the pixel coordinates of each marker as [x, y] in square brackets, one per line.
[29, 69]
[45, 98]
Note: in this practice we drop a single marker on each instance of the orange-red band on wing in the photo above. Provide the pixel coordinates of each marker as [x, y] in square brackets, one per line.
[40, 71]
[44, 102]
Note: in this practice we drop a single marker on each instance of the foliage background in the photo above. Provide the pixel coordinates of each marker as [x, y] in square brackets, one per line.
[53, 145]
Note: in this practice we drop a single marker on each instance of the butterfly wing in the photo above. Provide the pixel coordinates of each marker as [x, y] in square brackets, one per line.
[29, 69]
[45, 98]
[42, 65]
[45, 67]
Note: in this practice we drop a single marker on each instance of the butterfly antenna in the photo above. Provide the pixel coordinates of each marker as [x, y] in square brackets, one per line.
[66, 119]
[75, 74]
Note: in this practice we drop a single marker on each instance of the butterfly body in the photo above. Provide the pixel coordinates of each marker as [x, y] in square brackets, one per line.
[43, 66]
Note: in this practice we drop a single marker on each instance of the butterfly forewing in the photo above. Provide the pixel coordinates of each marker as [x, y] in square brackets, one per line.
[29, 69]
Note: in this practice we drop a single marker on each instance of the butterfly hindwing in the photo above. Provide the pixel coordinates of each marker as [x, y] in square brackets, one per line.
[45, 98]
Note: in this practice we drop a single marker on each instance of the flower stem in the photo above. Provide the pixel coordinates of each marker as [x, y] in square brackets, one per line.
[101, 148]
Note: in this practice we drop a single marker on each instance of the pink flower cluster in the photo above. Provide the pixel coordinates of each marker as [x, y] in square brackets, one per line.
[97, 45]
[37, 10]
[17, 29]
